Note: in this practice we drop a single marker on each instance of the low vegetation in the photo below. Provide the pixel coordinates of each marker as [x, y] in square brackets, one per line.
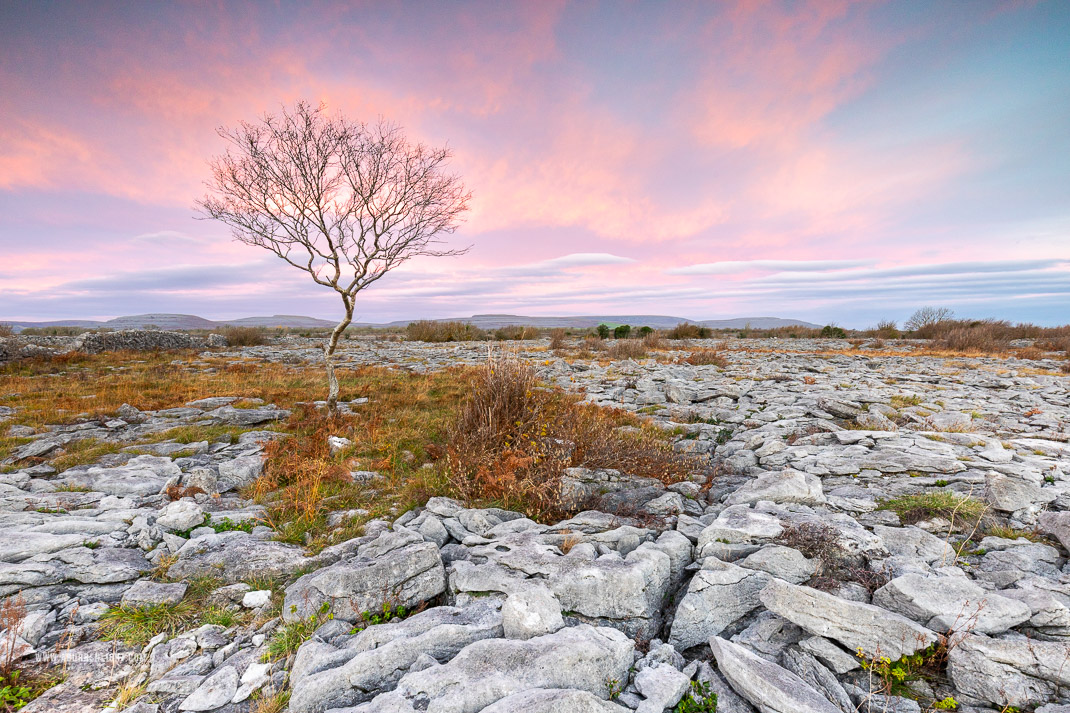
[962, 510]
[627, 349]
[512, 439]
[822, 543]
[428, 330]
[136, 625]
[706, 357]
[698, 699]
[245, 336]
[18, 686]
[689, 331]
[900, 677]
[289, 635]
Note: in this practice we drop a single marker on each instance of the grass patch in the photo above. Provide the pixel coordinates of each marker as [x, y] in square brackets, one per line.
[960, 509]
[289, 636]
[84, 452]
[1013, 533]
[137, 625]
[404, 430]
[899, 401]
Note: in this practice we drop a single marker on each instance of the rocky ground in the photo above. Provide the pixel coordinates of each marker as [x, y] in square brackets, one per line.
[873, 531]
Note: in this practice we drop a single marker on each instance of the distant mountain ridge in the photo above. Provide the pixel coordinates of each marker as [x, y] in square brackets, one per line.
[181, 322]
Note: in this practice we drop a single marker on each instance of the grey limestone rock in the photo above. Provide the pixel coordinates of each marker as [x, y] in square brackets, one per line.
[583, 658]
[786, 486]
[718, 595]
[1009, 672]
[873, 630]
[769, 687]
[408, 575]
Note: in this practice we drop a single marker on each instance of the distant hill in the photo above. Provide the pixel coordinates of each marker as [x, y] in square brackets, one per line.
[179, 322]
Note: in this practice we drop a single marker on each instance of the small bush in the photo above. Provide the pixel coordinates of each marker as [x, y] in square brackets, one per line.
[831, 331]
[702, 357]
[245, 336]
[654, 342]
[594, 344]
[557, 339]
[429, 330]
[689, 331]
[837, 565]
[622, 331]
[645, 331]
[512, 440]
[627, 349]
[886, 329]
[6, 330]
[699, 699]
[515, 333]
[603, 331]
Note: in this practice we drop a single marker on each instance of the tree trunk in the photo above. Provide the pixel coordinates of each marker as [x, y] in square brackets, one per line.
[328, 356]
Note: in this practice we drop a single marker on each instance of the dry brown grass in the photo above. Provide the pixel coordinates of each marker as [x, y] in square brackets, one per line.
[655, 342]
[701, 357]
[12, 617]
[428, 330]
[570, 540]
[512, 440]
[594, 344]
[6, 330]
[557, 339]
[403, 429]
[245, 336]
[627, 349]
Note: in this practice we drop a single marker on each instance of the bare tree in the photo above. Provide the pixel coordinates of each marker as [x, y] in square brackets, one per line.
[346, 202]
[927, 316]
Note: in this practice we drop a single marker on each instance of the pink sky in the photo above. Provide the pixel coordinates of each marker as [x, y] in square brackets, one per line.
[830, 161]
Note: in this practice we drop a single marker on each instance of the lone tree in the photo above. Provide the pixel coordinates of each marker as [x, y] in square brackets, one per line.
[928, 316]
[345, 202]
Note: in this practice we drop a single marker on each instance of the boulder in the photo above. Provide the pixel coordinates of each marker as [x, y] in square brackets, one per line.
[873, 630]
[407, 575]
[583, 658]
[735, 524]
[1009, 672]
[554, 700]
[719, 594]
[181, 515]
[787, 486]
[236, 556]
[767, 686]
[372, 661]
[951, 603]
[239, 472]
[627, 593]
[531, 612]
[146, 592]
